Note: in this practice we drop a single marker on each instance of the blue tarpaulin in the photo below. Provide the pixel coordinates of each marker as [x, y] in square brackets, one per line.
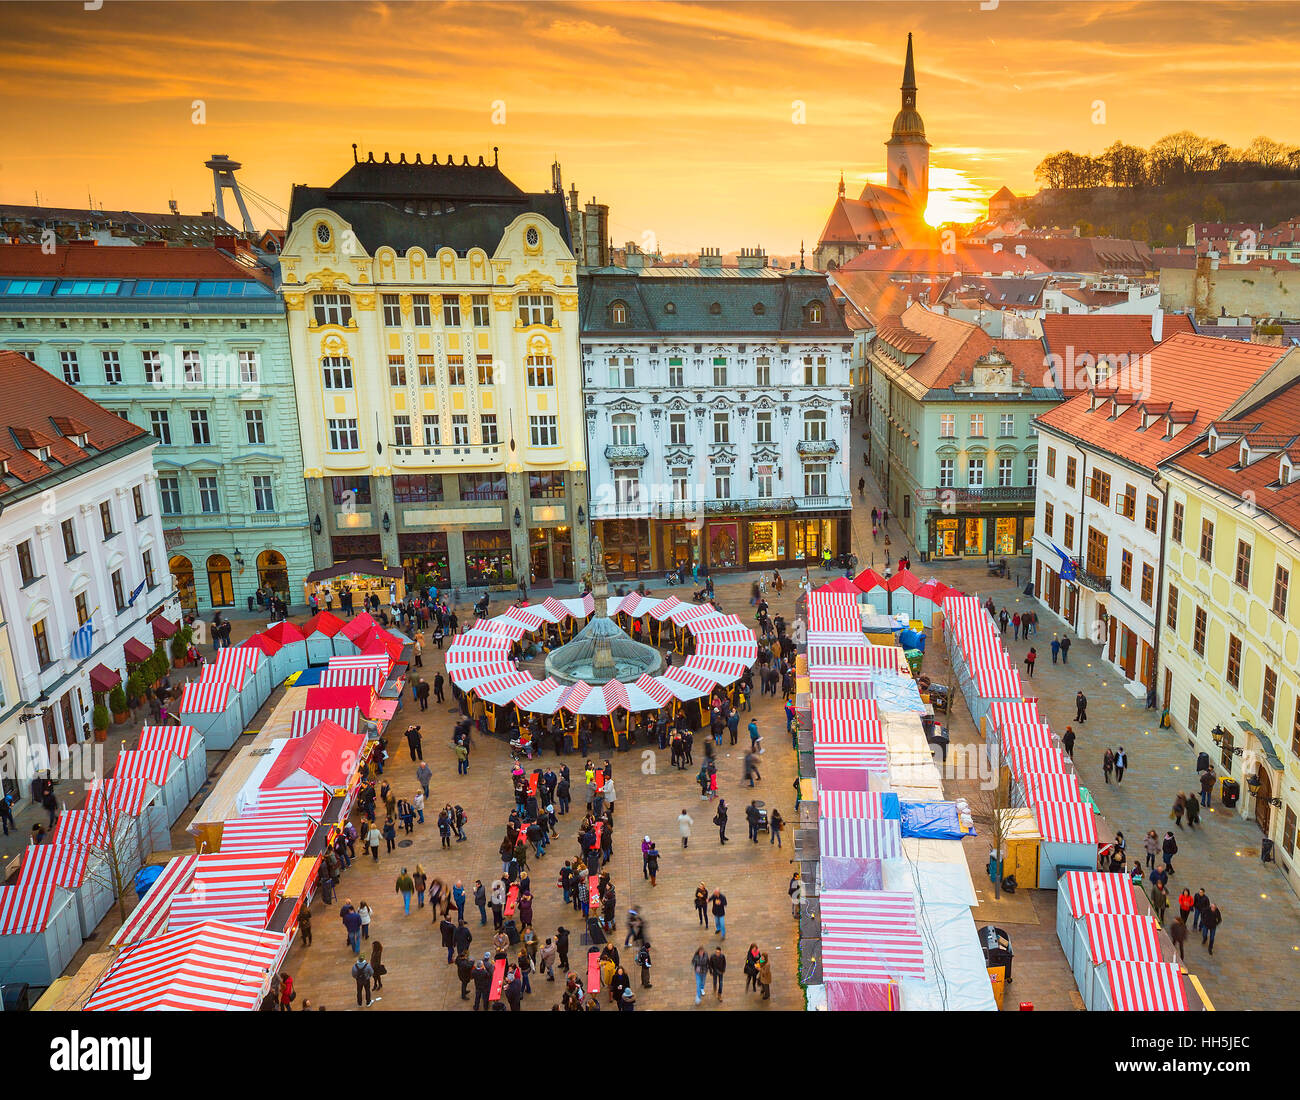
[145, 878]
[934, 820]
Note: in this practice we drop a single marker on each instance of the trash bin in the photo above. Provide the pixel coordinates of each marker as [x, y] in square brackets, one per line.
[914, 658]
[997, 948]
[1230, 791]
[1266, 850]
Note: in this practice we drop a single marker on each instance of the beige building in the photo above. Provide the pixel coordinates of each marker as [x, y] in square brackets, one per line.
[433, 321]
[1206, 288]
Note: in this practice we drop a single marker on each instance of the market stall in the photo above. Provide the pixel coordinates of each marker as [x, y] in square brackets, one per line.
[1101, 938]
[319, 632]
[164, 770]
[75, 868]
[40, 932]
[187, 744]
[291, 654]
[1084, 892]
[213, 710]
[361, 577]
[255, 667]
[1140, 987]
[149, 919]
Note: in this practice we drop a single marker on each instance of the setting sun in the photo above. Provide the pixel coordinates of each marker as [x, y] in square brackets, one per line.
[954, 198]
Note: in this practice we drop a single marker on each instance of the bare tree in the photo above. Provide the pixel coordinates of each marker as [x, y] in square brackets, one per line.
[116, 840]
[993, 813]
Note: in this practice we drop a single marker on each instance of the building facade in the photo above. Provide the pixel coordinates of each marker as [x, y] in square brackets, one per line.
[433, 321]
[191, 345]
[1101, 507]
[1230, 648]
[717, 409]
[81, 541]
[952, 442]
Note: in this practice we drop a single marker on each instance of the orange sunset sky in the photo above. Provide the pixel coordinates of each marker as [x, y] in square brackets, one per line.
[678, 115]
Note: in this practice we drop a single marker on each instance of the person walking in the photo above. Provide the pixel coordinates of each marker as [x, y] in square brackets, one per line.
[702, 904]
[1067, 739]
[352, 926]
[1121, 764]
[480, 901]
[755, 740]
[373, 839]
[1178, 934]
[720, 820]
[1210, 921]
[562, 946]
[482, 982]
[700, 968]
[643, 961]
[406, 887]
[1200, 903]
[751, 968]
[365, 913]
[423, 775]
[1169, 849]
[1030, 658]
[718, 969]
[684, 823]
[363, 974]
[1180, 806]
[1151, 845]
[438, 685]
[464, 974]
[652, 863]
[718, 903]
[462, 758]
[1080, 707]
[415, 743]
[1207, 785]
[765, 976]
[1056, 649]
[1159, 901]
[1065, 650]
[304, 926]
[377, 964]
[753, 817]
[1107, 763]
[795, 890]
[422, 693]
[1193, 807]
[775, 824]
[390, 834]
[1186, 903]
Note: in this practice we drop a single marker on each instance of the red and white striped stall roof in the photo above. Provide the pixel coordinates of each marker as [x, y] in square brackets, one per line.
[574, 697]
[283, 831]
[655, 689]
[81, 827]
[538, 689]
[996, 679]
[353, 677]
[231, 676]
[836, 638]
[633, 604]
[686, 683]
[719, 623]
[1066, 822]
[829, 674]
[860, 838]
[846, 721]
[871, 757]
[664, 608]
[1016, 714]
[304, 721]
[1146, 987]
[1049, 786]
[311, 801]
[247, 658]
[503, 626]
[152, 766]
[872, 956]
[838, 653]
[469, 676]
[249, 906]
[735, 649]
[721, 670]
[149, 918]
[525, 617]
[1096, 892]
[503, 689]
[54, 865]
[215, 966]
[205, 697]
[838, 611]
[176, 739]
[686, 613]
[25, 908]
[128, 796]
[363, 660]
[849, 804]
[1122, 936]
[1034, 756]
[238, 869]
[868, 911]
[478, 637]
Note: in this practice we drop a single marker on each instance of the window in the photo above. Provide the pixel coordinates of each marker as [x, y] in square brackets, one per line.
[675, 373]
[106, 519]
[1242, 573]
[814, 426]
[460, 430]
[762, 370]
[249, 367]
[433, 432]
[763, 479]
[83, 608]
[421, 314]
[975, 473]
[976, 424]
[622, 373]
[536, 309]
[1125, 569]
[1148, 590]
[1126, 505]
[543, 431]
[200, 429]
[1071, 471]
[721, 427]
[1233, 672]
[1006, 424]
[332, 309]
[450, 311]
[762, 427]
[947, 425]
[677, 427]
[417, 488]
[192, 366]
[160, 425]
[1153, 514]
[137, 502]
[1176, 531]
[1207, 541]
[814, 370]
[719, 372]
[153, 367]
[397, 370]
[263, 497]
[119, 590]
[481, 313]
[1006, 472]
[428, 369]
[344, 435]
[392, 310]
[722, 483]
[1069, 532]
[69, 530]
[546, 485]
[1171, 611]
[1194, 715]
[455, 370]
[814, 313]
[541, 372]
[618, 313]
[1281, 580]
[483, 487]
[1288, 832]
[254, 426]
[1198, 632]
[1049, 519]
[26, 568]
[71, 367]
[146, 563]
[112, 367]
[1268, 698]
[337, 371]
[209, 496]
[1099, 552]
[623, 429]
[488, 426]
[814, 479]
[359, 487]
[1098, 487]
[42, 641]
[680, 478]
[401, 430]
[947, 473]
[1295, 729]
[169, 494]
[1051, 462]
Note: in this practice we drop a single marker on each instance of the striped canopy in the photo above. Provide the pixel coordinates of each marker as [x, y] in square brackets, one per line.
[868, 911]
[81, 827]
[235, 869]
[686, 613]
[127, 796]
[245, 905]
[872, 956]
[685, 683]
[1122, 936]
[304, 721]
[850, 653]
[268, 831]
[665, 607]
[308, 800]
[525, 617]
[541, 696]
[229, 675]
[720, 670]
[1049, 786]
[503, 689]
[719, 623]
[25, 908]
[850, 804]
[215, 966]
[1016, 714]
[205, 698]
[247, 658]
[655, 688]
[470, 676]
[54, 865]
[582, 698]
[379, 659]
[1066, 822]
[371, 677]
[556, 611]
[871, 757]
[151, 766]
[1146, 987]
[1028, 756]
[175, 739]
[1097, 892]
[149, 918]
[738, 650]
[860, 838]
[504, 626]
[839, 611]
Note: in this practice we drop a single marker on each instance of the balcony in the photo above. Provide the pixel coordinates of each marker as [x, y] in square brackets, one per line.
[627, 452]
[819, 447]
[821, 504]
[1089, 579]
[991, 494]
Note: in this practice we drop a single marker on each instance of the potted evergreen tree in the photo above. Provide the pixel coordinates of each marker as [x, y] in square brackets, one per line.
[118, 705]
[179, 648]
[100, 719]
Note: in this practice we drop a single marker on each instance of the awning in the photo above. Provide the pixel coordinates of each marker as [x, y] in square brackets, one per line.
[1269, 752]
[163, 627]
[136, 651]
[103, 678]
[358, 565]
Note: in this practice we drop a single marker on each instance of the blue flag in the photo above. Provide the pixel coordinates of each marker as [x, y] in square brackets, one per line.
[83, 640]
[135, 595]
[1067, 564]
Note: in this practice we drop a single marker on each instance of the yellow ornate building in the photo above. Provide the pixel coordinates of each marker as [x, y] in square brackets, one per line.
[433, 325]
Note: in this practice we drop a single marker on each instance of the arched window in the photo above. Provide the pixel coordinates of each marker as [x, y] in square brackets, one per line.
[814, 426]
[618, 313]
[670, 307]
[715, 308]
[272, 573]
[813, 313]
[221, 588]
[183, 573]
[623, 426]
[759, 309]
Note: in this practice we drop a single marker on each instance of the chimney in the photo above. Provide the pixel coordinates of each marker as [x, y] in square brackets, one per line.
[711, 257]
[751, 259]
[1157, 326]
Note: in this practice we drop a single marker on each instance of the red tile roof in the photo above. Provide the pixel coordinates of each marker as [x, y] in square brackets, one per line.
[1070, 336]
[49, 415]
[1192, 379]
[1090, 254]
[964, 259]
[88, 261]
[949, 348]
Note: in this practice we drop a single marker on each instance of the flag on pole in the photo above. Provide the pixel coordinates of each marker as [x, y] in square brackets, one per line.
[135, 595]
[83, 640]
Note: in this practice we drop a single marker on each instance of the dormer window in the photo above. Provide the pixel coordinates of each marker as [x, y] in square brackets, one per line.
[1286, 470]
[1243, 456]
[715, 308]
[759, 309]
[618, 313]
[813, 313]
[670, 307]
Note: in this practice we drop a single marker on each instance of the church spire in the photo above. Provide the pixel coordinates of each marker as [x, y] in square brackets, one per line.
[841, 183]
[909, 69]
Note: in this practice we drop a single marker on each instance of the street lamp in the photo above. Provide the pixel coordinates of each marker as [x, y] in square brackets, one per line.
[582, 516]
[388, 523]
[519, 518]
[316, 524]
[239, 558]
